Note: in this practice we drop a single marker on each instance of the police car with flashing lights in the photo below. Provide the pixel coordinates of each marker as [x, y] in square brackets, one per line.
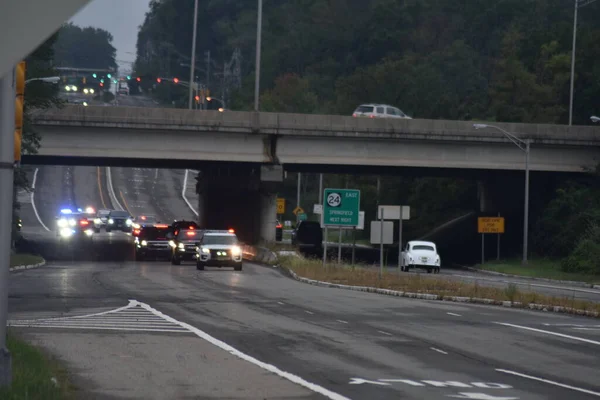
[144, 220]
[183, 244]
[101, 220]
[219, 248]
[152, 240]
[73, 224]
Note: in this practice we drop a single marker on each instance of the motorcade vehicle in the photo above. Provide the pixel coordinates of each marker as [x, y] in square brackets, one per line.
[70, 224]
[308, 235]
[420, 254]
[379, 111]
[219, 248]
[278, 231]
[152, 241]
[143, 220]
[183, 245]
[101, 220]
[182, 224]
[119, 221]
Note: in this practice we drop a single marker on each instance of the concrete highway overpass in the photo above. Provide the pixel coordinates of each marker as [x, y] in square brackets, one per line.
[177, 138]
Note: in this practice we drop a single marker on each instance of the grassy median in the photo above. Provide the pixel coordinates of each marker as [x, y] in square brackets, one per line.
[538, 268]
[35, 376]
[413, 283]
[17, 259]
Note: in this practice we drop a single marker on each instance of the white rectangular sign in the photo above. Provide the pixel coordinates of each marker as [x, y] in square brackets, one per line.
[388, 232]
[393, 213]
[317, 209]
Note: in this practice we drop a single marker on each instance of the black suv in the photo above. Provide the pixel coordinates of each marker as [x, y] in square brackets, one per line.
[183, 245]
[308, 235]
[119, 221]
[152, 240]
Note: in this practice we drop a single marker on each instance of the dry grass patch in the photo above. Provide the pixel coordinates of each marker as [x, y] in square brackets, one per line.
[435, 285]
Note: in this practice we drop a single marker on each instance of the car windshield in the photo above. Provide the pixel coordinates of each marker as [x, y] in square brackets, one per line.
[423, 247]
[219, 239]
[187, 234]
[364, 109]
[119, 214]
[103, 213]
[154, 233]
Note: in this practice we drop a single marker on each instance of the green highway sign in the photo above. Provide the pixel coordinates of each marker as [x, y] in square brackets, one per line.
[302, 217]
[341, 207]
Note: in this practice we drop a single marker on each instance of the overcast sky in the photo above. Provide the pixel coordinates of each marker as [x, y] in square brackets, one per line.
[121, 18]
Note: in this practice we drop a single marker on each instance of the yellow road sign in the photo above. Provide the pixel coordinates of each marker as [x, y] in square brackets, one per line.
[280, 205]
[490, 224]
[298, 210]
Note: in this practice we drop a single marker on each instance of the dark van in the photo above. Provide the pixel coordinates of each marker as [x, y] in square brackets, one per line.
[308, 235]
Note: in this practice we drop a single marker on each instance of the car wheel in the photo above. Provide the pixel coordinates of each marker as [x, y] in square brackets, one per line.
[429, 270]
[199, 266]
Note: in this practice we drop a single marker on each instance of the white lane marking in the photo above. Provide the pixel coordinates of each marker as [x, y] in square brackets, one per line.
[280, 303]
[341, 321]
[550, 333]
[438, 350]
[565, 288]
[33, 200]
[479, 396]
[385, 333]
[573, 325]
[587, 329]
[453, 314]
[111, 191]
[185, 177]
[505, 371]
[309, 312]
[268, 367]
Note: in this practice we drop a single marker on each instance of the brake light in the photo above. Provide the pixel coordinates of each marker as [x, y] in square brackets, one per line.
[354, 115]
[371, 116]
[161, 225]
[191, 227]
[143, 217]
[136, 232]
[84, 222]
[190, 233]
[278, 226]
[231, 231]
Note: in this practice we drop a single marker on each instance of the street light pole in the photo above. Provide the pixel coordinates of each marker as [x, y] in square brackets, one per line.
[258, 46]
[524, 145]
[193, 61]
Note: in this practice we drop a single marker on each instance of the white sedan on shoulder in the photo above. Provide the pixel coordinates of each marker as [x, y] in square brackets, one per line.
[419, 254]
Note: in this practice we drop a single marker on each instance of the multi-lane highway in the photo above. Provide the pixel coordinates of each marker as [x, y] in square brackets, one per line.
[150, 330]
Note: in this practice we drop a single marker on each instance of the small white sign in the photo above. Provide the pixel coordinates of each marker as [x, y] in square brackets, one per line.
[317, 209]
[393, 212]
[388, 232]
[287, 223]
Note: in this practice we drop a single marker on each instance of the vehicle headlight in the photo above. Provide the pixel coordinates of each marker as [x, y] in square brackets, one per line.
[205, 250]
[236, 251]
[72, 222]
[97, 221]
[89, 232]
[62, 223]
[66, 232]
[74, 88]
[181, 246]
[136, 226]
[85, 91]
[172, 243]
[128, 222]
[111, 221]
[92, 91]
[144, 243]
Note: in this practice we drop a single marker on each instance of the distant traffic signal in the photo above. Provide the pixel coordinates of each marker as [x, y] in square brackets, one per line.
[108, 75]
[138, 79]
[158, 80]
[128, 77]
[175, 80]
[197, 99]
[101, 80]
[94, 75]
[101, 84]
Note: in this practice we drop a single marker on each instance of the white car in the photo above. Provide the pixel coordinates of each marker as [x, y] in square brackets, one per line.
[419, 254]
[379, 111]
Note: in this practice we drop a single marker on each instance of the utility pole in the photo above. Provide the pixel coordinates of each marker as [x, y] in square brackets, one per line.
[7, 150]
[193, 62]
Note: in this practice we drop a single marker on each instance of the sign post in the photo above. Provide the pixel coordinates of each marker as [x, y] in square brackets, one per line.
[400, 213]
[487, 225]
[382, 210]
[341, 208]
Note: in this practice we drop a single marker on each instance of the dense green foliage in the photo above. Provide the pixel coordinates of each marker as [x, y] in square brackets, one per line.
[503, 61]
[84, 48]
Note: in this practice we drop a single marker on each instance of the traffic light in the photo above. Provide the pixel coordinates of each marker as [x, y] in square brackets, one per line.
[94, 75]
[158, 80]
[101, 80]
[114, 81]
[197, 98]
[83, 80]
[108, 76]
[128, 77]
[101, 84]
[175, 80]
[138, 79]
[20, 81]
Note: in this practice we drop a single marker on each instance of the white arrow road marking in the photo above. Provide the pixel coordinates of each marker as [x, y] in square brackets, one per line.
[480, 396]
[550, 333]
[505, 371]
[360, 381]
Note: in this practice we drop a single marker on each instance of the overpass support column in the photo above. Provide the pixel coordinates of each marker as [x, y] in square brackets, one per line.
[485, 195]
[268, 216]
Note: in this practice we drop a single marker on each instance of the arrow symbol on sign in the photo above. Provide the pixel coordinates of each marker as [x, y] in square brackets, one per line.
[480, 396]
